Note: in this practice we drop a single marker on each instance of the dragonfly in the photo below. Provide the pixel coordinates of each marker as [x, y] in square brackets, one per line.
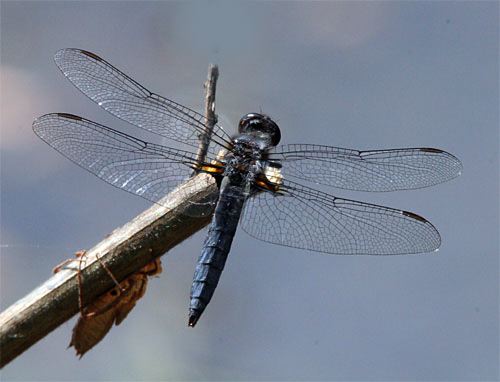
[260, 182]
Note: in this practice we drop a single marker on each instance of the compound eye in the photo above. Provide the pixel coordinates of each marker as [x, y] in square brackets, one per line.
[249, 122]
[260, 125]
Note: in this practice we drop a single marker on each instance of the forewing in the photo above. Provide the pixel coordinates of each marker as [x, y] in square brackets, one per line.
[302, 217]
[125, 98]
[377, 170]
[128, 163]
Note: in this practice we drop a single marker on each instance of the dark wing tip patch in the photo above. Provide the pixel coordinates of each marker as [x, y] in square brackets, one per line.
[414, 216]
[70, 116]
[91, 55]
[431, 150]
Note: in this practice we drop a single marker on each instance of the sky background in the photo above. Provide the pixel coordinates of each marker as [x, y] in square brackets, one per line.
[357, 75]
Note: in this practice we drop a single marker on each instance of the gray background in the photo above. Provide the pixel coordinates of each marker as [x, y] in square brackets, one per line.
[357, 75]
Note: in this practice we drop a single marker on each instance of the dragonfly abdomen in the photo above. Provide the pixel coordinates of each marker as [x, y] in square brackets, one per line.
[216, 247]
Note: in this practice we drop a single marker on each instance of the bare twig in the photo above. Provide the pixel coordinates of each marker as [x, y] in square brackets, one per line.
[210, 87]
[123, 252]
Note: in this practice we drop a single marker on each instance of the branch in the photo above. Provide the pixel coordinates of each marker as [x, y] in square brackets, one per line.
[125, 251]
[210, 86]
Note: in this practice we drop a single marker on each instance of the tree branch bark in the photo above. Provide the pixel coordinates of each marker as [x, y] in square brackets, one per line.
[123, 252]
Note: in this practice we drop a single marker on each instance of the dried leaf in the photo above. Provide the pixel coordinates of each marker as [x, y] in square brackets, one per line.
[111, 307]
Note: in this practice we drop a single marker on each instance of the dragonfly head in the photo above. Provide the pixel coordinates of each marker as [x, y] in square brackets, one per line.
[261, 126]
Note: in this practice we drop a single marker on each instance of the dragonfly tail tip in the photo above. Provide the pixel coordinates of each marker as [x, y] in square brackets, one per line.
[192, 320]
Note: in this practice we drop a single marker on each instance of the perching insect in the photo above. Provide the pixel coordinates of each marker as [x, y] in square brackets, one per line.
[256, 176]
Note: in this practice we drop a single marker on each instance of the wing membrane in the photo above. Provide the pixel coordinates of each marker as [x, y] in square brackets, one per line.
[309, 219]
[377, 170]
[128, 163]
[125, 98]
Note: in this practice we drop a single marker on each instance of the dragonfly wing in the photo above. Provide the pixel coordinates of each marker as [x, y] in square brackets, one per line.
[125, 98]
[302, 217]
[376, 170]
[128, 163]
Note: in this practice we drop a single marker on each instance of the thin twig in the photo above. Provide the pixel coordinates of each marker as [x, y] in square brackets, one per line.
[125, 251]
[211, 117]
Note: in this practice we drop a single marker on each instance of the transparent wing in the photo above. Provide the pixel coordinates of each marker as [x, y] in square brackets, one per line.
[309, 219]
[128, 163]
[123, 97]
[377, 170]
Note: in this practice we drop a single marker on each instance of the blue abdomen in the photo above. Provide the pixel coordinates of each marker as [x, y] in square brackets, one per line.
[216, 247]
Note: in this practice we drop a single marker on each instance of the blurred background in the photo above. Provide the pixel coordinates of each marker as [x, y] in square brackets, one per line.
[364, 75]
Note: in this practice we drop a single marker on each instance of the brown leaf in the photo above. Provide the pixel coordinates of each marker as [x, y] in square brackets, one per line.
[111, 307]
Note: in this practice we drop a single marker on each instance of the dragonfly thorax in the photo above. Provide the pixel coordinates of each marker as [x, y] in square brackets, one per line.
[249, 146]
